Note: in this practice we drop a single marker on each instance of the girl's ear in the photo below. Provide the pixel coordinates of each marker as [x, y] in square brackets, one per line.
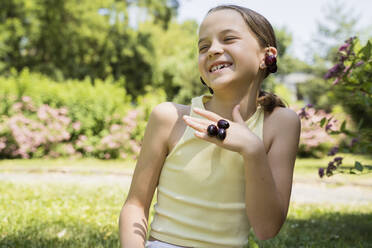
[267, 51]
[271, 50]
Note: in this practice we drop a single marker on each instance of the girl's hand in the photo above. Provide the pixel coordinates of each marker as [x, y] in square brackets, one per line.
[239, 138]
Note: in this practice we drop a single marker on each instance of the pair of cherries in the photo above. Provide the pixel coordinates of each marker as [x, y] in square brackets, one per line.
[220, 130]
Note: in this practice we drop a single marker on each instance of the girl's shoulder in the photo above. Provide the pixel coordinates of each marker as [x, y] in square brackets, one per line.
[281, 115]
[170, 112]
[280, 121]
[169, 121]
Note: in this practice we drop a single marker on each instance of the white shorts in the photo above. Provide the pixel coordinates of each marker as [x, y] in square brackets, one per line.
[159, 244]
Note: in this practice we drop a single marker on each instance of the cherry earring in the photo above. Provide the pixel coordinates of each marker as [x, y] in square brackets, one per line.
[270, 62]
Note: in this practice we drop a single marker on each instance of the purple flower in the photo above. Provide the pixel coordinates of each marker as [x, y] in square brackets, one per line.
[350, 40]
[353, 141]
[335, 70]
[303, 113]
[338, 160]
[336, 81]
[321, 172]
[328, 126]
[333, 151]
[359, 63]
[344, 47]
[329, 172]
[309, 105]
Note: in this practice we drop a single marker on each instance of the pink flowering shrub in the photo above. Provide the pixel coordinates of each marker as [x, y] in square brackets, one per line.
[33, 132]
[118, 141]
[75, 118]
[315, 140]
[28, 131]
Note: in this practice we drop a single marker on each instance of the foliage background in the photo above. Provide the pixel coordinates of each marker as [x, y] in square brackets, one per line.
[90, 58]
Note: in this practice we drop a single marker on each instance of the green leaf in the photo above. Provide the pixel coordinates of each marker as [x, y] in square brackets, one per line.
[343, 126]
[334, 132]
[358, 166]
[360, 123]
[366, 51]
[323, 121]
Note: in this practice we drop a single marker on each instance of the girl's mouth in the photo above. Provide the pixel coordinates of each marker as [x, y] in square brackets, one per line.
[219, 67]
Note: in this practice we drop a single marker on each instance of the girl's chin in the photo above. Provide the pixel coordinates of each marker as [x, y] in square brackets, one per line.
[220, 81]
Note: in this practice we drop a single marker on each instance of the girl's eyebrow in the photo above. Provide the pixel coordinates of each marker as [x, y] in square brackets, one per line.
[222, 32]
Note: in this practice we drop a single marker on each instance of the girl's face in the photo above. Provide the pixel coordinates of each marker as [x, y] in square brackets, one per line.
[228, 50]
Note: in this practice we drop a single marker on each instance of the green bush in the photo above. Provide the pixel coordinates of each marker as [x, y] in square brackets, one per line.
[100, 118]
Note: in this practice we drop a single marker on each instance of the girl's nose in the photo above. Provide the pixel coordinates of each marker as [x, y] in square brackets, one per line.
[215, 49]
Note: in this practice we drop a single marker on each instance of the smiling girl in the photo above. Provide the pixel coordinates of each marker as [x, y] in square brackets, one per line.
[223, 164]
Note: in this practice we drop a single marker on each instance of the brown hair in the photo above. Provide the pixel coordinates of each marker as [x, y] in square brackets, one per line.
[265, 36]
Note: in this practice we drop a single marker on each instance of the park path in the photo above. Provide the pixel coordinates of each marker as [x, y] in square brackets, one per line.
[303, 190]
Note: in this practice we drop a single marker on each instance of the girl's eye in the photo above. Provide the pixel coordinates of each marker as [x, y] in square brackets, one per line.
[202, 48]
[229, 38]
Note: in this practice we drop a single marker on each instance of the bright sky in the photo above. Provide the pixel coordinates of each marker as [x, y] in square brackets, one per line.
[298, 16]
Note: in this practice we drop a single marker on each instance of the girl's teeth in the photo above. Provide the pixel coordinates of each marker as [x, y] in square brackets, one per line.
[218, 67]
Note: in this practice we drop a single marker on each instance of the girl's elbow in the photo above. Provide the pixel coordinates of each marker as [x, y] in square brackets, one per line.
[265, 235]
[268, 232]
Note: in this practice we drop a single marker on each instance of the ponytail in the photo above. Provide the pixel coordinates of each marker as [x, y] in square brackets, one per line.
[269, 101]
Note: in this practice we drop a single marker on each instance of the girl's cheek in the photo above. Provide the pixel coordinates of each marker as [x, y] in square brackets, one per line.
[200, 64]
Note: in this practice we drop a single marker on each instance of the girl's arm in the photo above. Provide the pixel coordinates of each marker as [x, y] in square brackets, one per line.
[135, 211]
[269, 175]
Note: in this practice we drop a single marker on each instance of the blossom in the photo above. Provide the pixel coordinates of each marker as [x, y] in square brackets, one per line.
[303, 114]
[26, 99]
[344, 47]
[328, 126]
[335, 70]
[336, 81]
[321, 172]
[354, 141]
[76, 125]
[359, 63]
[333, 151]
[338, 160]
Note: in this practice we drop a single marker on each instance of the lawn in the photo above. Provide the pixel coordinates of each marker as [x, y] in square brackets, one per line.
[56, 214]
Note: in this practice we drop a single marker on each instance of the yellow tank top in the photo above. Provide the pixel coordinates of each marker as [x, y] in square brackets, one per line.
[201, 191]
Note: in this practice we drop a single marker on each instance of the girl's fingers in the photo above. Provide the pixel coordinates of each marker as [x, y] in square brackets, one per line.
[198, 120]
[197, 125]
[207, 114]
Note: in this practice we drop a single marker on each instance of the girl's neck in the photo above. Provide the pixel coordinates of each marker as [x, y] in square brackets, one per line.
[223, 104]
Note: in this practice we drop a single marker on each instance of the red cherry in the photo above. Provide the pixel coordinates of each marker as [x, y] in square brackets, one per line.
[270, 60]
[212, 130]
[223, 124]
[221, 135]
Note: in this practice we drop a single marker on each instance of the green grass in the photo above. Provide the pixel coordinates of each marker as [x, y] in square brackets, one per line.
[314, 225]
[77, 215]
[48, 215]
[51, 215]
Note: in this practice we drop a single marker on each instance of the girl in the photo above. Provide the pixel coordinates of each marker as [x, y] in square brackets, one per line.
[217, 179]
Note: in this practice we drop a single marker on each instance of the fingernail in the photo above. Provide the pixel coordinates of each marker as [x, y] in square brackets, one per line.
[197, 109]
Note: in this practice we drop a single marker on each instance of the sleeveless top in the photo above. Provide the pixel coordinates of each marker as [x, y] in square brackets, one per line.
[201, 191]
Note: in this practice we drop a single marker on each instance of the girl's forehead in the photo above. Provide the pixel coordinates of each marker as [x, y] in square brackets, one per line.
[224, 19]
